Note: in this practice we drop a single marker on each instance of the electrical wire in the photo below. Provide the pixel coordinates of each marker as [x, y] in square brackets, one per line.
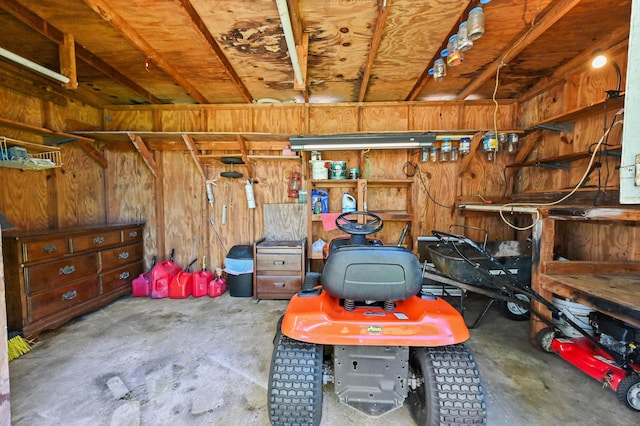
[410, 170]
[505, 207]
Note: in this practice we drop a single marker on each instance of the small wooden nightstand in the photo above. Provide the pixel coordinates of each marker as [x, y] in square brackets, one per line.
[279, 270]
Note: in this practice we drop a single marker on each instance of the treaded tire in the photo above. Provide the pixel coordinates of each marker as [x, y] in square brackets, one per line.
[515, 312]
[451, 391]
[544, 339]
[295, 383]
[629, 392]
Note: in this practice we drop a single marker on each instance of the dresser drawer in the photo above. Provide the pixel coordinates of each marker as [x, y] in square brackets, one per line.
[279, 262]
[131, 235]
[285, 284]
[44, 249]
[46, 275]
[62, 298]
[116, 257]
[120, 277]
[95, 241]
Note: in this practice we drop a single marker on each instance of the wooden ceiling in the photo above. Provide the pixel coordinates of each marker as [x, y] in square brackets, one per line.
[234, 51]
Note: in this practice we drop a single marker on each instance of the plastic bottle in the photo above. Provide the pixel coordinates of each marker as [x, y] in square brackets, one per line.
[348, 203]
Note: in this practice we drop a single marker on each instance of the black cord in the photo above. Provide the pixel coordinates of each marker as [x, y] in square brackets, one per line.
[605, 154]
[410, 170]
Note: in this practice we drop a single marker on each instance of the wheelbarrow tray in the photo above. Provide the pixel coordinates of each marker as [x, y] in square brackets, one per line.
[461, 262]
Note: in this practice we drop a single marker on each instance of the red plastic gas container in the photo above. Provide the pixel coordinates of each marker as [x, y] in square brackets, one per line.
[218, 285]
[201, 280]
[161, 276]
[141, 286]
[181, 286]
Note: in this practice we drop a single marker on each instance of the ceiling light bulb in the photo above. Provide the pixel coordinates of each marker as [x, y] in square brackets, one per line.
[599, 61]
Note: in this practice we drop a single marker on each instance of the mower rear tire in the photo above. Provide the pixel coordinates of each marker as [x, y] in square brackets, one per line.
[629, 391]
[514, 311]
[544, 339]
[295, 383]
[449, 390]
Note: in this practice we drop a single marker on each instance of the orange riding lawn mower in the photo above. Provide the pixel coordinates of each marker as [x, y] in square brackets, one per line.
[370, 330]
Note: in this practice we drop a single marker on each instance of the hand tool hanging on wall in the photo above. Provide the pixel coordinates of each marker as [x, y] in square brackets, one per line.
[224, 205]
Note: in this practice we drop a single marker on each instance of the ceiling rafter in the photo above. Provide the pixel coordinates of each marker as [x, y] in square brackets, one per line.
[301, 40]
[103, 9]
[201, 28]
[43, 27]
[383, 11]
[554, 13]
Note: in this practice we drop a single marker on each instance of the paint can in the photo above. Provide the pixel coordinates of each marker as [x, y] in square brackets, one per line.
[354, 173]
[320, 169]
[338, 170]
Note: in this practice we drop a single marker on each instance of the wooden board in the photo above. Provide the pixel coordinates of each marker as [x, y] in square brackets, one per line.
[285, 222]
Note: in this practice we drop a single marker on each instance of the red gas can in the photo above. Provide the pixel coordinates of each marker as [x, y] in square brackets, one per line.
[201, 280]
[181, 286]
[218, 285]
[140, 287]
[161, 276]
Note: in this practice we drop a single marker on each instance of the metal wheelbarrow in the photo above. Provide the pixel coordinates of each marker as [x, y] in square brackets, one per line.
[470, 266]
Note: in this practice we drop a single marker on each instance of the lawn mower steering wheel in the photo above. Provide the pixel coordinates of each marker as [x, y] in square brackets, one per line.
[368, 227]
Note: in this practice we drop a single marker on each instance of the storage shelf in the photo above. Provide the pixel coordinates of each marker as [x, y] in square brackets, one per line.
[47, 157]
[555, 162]
[557, 122]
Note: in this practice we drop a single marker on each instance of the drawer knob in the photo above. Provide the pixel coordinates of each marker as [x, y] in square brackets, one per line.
[69, 295]
[124, 275]
[67, 270]
[133, 234]
[279, 284]
[98, 240]
[123, 255]
[278, 262]
[49, 248]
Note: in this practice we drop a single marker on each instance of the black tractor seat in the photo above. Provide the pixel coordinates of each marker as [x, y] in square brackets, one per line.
[372, 273]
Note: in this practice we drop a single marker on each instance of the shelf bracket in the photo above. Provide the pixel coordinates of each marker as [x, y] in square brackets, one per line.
[553, 165]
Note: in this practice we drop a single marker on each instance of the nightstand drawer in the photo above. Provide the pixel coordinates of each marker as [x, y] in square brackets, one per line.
[120, 277]
[279, 262]
[285, 284]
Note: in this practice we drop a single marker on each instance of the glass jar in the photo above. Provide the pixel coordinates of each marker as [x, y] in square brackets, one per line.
[475, 23]
[490, 145]
[445, 150]
[465, 146]
[502, 141]
[454, 57]
[464, 43]
[439, 69]
[302, 196]
[433, 156]
[512, 143]
[424, 155]
[454, 153]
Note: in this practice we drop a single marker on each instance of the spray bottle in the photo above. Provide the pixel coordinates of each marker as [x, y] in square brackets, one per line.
[248, 187]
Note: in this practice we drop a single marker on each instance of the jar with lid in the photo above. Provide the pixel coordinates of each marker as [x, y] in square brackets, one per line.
[490, 145]
[433, 156]
[454, 57]
[445, 150]
[465, 146]
[512, 143]
[475, 23]
[454, 153]
[464, 43]
[502, 141]
[439, 69]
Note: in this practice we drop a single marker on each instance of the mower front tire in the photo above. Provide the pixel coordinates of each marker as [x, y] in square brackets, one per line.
[629, 391]
[449, 390]
[544, 339]
[295, 383]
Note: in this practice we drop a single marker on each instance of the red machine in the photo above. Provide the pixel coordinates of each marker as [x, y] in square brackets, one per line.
[370, 330]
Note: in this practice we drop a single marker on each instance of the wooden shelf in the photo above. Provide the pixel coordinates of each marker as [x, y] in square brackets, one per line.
[556, 123]
[555, 162]
[45, 157]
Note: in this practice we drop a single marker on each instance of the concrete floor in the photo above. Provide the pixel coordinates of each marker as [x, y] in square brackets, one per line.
[206, 362]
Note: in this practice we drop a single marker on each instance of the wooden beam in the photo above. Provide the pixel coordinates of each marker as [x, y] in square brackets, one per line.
[38, 24]
[139, 145]
[296, 22]
[201, 27]
[191, 146]
[41, 130]
[558, 9]
[243, 148]
[303, 52]
[67, 53]
[93, 152]
[108, 13]
[373, 50]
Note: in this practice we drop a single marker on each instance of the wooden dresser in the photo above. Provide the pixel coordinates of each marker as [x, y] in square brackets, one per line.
[279, 269]
[53, 276]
